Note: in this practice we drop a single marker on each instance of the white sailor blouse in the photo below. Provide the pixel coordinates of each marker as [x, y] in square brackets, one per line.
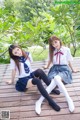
[22, 73]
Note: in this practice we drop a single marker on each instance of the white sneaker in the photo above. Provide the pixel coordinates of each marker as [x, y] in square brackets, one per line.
[71, 105]
[38, 107]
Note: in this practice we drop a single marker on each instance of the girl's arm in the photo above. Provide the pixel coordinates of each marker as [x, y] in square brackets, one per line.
[12, 77]
[70, 58]
[73, 70]
[70, 65]
[48, 64]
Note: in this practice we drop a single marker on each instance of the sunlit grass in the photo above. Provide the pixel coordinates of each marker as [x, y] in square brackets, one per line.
[38, 53]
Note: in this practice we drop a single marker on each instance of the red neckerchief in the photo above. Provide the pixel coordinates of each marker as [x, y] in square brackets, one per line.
[58, 54]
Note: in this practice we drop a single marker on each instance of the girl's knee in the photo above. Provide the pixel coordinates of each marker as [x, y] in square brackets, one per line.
[35, 81]
[39, 71]
[57, 77]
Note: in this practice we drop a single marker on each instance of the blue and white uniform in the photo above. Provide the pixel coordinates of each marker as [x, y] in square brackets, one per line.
[25, 73]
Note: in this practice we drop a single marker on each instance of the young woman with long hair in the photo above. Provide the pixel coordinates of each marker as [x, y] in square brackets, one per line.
[60, 72]
[20, 61]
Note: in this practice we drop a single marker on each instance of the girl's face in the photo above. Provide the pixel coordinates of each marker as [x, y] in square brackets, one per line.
[17, 52]
[56, 44]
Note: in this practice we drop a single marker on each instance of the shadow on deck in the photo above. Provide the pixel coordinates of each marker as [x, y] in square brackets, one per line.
[21, 105]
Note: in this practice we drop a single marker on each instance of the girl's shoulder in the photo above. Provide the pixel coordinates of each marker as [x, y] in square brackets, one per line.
[27, 53]
[12, 61]
[65, 48]
[30, 56]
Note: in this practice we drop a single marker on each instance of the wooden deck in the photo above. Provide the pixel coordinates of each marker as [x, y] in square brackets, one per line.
[21, 105]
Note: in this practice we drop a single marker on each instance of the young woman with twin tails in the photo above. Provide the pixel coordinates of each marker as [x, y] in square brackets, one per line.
[20, 62]
[60, 73]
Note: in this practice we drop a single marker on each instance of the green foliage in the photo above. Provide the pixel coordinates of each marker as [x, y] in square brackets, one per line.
[32, 8]
[32, 22]
[38, 53]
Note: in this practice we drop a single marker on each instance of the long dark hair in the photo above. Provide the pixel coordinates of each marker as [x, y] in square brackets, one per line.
[51, 48]
[15, 58]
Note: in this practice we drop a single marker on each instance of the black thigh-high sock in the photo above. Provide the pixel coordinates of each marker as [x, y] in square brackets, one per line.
[36, 81]
[41, 75]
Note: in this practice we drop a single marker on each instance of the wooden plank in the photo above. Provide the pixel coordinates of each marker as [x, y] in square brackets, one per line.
[22, 105]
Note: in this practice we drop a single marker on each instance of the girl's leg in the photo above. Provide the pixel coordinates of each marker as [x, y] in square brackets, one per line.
[29, 83]
[37, 82]
[63, 89]
[41, 75]
[39, 102]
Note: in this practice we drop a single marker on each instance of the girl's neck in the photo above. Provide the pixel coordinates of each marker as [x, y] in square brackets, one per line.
[59, 48]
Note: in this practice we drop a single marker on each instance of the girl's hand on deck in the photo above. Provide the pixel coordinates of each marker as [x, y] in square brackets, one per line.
[9, 82]
[45, 67]
[75, 70]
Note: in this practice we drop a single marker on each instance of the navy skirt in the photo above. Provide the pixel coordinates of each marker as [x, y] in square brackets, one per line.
[63, 71]
[22, 83]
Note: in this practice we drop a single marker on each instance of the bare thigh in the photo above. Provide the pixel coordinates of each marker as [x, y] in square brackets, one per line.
[29, 84]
